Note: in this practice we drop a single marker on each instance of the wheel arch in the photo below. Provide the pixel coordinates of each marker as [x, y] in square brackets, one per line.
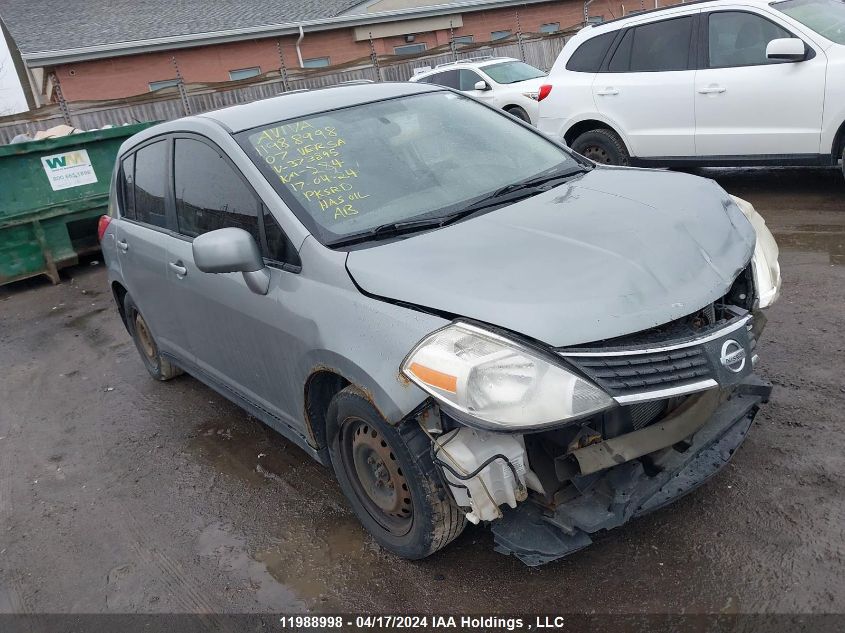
[838, 143]
[321, 386]
[119, 292]
[578, 128]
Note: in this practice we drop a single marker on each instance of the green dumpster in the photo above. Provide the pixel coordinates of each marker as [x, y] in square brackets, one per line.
[52, 193]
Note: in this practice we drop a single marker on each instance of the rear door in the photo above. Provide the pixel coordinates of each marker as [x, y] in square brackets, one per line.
[142, 237]
[747, 104]
[646, 87]
[238, 338]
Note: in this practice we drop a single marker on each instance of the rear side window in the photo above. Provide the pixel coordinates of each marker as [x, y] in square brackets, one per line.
[127, 187]
[448, 79]
[150, 163]
[210, 195]
[656, 47]
[588, 57]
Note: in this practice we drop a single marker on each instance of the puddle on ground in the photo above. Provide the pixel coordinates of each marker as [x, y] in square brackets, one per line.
[824, 238]
[244, 448]
[244, 573]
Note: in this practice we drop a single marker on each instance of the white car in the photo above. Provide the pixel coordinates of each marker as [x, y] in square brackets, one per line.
[502, 82]
[744, 82]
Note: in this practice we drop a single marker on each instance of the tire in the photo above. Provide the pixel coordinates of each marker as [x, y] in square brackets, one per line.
[602, 146]
[159, 368]
[378, 464]
[519, 113]
[843, 160]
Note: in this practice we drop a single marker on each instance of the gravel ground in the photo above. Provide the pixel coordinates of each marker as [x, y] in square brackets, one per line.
[120, 494]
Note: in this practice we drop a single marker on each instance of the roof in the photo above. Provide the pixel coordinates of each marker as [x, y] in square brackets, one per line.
[49, 32]
[307, 102]
[294, 105]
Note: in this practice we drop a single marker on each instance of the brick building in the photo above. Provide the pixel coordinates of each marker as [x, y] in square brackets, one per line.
[104, 49]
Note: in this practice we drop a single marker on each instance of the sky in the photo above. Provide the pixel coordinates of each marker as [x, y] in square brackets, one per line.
[11, 94]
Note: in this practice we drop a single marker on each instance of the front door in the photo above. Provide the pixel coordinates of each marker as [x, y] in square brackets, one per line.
[238, 338]
[746, 104]
[647, 89]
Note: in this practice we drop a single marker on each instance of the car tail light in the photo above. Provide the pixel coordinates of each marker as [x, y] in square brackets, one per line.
[102, 225]
[545, 89]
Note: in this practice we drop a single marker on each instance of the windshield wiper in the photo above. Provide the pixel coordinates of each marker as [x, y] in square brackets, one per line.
[523, 189]
[508, 193]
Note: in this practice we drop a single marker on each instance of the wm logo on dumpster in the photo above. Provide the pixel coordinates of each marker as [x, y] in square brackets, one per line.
[70, 159]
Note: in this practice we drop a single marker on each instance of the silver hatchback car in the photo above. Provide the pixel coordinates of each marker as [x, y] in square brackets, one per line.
[464, 319]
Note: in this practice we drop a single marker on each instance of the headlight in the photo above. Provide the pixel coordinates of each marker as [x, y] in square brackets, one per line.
[764, 262]
[497, 383]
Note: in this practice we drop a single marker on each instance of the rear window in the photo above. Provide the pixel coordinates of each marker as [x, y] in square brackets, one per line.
[588, 57]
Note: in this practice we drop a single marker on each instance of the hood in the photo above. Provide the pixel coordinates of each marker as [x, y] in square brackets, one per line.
[610, 253]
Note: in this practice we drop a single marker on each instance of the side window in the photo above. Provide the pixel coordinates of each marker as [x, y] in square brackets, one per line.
[738, 38]
[448, 79]
[209, 194]
[150, 162]
[127, 186]
[467, 79]
[588, 57]
[657, 47]
[279, 247]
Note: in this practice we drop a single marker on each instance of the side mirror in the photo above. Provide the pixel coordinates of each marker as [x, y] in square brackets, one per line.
[787, 48]
[232, 250]
[481, 85]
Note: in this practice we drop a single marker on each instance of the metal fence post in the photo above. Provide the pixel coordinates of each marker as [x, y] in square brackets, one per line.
[62, 103]
[183, 94]
[519, 37]
[374, 58]
[283, 69]
[452, 44]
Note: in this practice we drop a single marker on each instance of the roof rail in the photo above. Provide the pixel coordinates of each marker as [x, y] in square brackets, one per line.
[469, 60]
[349, 82]
[649, 11]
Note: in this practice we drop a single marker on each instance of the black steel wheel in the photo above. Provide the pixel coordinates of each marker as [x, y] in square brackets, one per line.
[388, 477]
[158, 367]
[602, 146]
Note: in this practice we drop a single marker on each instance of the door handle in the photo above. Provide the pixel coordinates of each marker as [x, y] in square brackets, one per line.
[607, 92]
[123, 245]
[178, 268]
[712, 89]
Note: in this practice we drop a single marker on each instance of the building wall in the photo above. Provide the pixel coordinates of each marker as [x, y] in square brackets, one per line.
[125, 76]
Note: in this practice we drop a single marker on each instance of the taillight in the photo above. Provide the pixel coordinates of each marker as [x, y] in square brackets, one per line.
[102, 225]
[545, 89]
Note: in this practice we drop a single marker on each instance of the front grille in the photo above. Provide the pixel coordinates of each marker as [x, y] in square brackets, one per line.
[649, 371]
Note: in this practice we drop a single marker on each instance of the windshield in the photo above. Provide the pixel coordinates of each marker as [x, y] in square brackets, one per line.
[511, 72]
[423, 156]
[825, 17]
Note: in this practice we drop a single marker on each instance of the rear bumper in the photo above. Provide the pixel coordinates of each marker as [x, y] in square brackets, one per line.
[614, 496]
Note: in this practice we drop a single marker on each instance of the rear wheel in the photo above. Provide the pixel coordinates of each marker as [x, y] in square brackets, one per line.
[519, 113]
[387, 474]
[843, 160]
[159, 368]
[602, 146]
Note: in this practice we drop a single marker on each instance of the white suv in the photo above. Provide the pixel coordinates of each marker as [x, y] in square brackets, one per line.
[502, 82]
[725, 82]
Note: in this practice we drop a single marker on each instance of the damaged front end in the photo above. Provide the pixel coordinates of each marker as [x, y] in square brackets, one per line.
[647, 418]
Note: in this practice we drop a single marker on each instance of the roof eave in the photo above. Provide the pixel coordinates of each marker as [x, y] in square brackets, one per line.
[87, 53]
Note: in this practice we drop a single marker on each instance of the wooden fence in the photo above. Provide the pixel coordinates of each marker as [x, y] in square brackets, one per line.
[172, 103]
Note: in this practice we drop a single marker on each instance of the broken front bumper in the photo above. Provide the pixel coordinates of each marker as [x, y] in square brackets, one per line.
[538, 535]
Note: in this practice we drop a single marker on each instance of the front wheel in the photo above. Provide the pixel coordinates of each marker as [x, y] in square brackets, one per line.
[388, 477]
[602, 146]
[519, 113]
[843, 160]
